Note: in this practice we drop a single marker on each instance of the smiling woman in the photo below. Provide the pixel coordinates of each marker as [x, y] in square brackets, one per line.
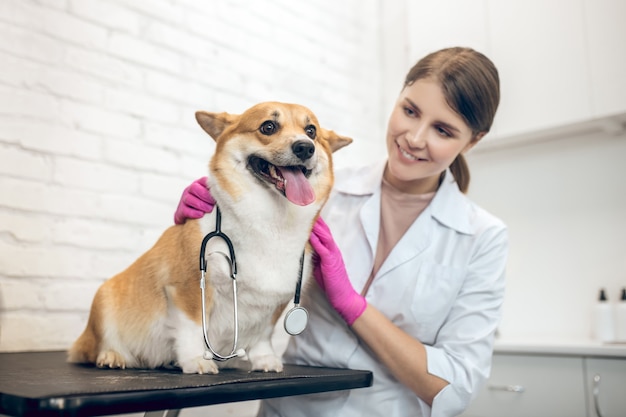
[451, 94]
[424, 137]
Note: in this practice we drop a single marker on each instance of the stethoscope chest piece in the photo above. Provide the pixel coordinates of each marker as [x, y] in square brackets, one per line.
[296, 320]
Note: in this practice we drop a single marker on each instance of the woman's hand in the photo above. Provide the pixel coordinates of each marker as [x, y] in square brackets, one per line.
[195, 202]
[330, 273]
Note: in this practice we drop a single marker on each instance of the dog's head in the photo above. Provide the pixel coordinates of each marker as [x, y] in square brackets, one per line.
[279, 146]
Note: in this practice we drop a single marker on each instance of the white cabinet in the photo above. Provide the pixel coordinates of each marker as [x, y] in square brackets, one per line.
[532, 386]
[539, 49]
[561, 62]
[438, 24]
[606, 387]
[606, 39]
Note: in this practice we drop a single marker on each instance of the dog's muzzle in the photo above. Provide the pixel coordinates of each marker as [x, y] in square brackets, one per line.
[290, 181]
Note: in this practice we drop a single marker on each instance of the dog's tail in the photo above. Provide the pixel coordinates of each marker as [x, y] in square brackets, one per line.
[87, 347]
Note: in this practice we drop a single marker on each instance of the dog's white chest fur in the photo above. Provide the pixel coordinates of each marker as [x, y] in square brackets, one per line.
[267, 252]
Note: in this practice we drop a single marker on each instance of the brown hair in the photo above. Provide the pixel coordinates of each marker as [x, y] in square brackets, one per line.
[471, 87]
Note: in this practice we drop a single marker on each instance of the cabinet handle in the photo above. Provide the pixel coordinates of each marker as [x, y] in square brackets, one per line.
[508, 388]
[596, 394]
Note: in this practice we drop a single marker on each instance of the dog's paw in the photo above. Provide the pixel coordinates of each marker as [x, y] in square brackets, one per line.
[110, 359]
[199, 365]
[267, 363]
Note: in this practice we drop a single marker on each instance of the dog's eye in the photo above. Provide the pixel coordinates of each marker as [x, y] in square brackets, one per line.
[268, 128]
[310, 131]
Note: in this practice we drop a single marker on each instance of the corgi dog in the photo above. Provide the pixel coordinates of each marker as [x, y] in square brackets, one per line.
[271, 173]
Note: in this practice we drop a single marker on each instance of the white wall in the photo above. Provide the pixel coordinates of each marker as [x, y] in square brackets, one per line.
[564, 202]
[97, 130]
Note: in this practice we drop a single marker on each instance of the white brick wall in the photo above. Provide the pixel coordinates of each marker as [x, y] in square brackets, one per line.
[98, 138]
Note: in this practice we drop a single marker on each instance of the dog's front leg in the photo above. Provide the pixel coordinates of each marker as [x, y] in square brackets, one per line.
[262, 355]
[191, 363]
[188, 347]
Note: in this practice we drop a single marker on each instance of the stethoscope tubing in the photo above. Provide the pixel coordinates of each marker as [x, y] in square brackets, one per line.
[300, 312]
[233, 275]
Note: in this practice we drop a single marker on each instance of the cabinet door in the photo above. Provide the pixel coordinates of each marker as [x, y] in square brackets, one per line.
[539, 48]
[433, 25]
[606, 37]
[606, 387]
[528, 385]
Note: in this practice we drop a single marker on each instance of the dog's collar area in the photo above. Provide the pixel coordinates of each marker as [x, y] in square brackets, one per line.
[295, 320]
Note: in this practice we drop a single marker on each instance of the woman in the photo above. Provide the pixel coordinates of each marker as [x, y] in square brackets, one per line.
[415, 271]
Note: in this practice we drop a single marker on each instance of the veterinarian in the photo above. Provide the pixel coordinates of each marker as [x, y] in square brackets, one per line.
[411, 280]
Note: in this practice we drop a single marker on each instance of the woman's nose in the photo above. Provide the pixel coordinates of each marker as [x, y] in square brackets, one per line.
[416, 137]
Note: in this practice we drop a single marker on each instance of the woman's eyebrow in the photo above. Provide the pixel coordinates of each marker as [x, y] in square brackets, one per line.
[411, 103]
[449, 126]
[442, 123]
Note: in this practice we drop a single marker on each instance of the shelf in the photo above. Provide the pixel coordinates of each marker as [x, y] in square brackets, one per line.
[562, 347]
[613, 125]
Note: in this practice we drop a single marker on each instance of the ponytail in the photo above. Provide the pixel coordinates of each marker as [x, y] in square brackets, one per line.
[461, 173]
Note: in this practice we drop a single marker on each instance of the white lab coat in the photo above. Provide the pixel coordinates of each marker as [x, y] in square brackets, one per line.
[443, 283]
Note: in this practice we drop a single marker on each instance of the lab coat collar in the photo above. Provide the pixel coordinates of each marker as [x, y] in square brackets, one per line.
[364, 180]
[449, 207]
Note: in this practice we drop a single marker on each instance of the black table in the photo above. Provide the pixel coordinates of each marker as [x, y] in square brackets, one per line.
[44, 384]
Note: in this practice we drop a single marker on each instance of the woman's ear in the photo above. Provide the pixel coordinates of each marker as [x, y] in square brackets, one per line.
[473, 141]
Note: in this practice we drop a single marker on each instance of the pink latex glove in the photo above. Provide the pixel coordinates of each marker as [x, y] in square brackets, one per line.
[195, 202]
[330, 273]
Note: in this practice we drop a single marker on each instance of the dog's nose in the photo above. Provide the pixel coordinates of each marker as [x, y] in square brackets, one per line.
[303, 149]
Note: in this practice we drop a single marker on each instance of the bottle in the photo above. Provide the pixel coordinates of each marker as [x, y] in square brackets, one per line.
[620, 318]
[603, 329]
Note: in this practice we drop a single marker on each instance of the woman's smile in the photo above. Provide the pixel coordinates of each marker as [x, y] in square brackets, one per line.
[408, 155]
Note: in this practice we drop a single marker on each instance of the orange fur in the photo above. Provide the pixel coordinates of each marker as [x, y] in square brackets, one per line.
[139, 293]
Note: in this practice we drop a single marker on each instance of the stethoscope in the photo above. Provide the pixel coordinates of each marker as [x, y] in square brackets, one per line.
[295, 320]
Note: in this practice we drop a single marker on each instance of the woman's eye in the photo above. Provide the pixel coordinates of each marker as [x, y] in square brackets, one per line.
[268, 128]
[310, 131]
[409, 111]
[443, 132]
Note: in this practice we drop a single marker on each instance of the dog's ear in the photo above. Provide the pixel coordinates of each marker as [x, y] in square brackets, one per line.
[215, 123]
[337, 141]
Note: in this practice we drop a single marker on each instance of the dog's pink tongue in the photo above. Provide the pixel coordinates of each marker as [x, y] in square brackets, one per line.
[297, 187]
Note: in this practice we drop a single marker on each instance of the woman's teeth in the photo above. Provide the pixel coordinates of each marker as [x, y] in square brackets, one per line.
[408, 155]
